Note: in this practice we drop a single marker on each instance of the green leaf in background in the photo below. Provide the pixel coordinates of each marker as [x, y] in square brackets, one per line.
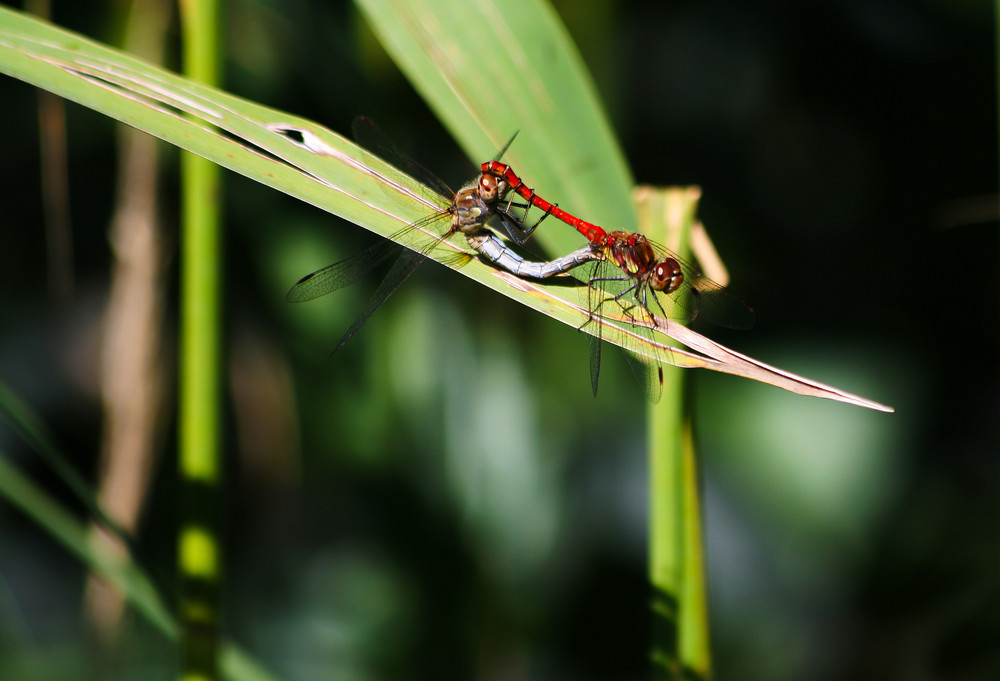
[490, 68]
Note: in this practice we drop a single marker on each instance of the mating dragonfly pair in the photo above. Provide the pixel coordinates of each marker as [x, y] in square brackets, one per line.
[647, 275]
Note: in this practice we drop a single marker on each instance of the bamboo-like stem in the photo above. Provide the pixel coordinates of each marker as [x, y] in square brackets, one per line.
[680, 620]
[199, 553]
[694, 640]
[55, 183]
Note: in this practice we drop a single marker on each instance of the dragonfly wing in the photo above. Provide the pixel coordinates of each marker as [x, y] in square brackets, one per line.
[650, 377]
[595, 361]
[719, 306]
[609, 308]
[400, 271]
[595, 300]
[340, 273]
[702, 298]
[371, 137]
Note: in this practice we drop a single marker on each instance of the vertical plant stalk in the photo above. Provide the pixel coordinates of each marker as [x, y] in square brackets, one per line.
[55, 186]
[694, 640]
[55, 183]
[198, 548]
[678, 606]
[131, 364]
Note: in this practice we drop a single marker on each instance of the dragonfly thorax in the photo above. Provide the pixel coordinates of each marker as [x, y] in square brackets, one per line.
[632, 253]
[636, 257]
[469, 211]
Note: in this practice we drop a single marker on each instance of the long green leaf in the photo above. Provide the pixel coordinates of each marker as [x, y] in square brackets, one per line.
[307, 161]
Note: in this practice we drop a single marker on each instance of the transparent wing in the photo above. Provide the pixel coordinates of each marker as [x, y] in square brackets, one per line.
[341, 273]
[405, 264]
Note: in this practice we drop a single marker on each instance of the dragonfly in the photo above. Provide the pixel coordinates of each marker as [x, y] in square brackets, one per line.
[471, 211]
[652, 283]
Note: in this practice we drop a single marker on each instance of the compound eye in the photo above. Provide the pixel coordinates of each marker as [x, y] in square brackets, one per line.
[667, 276]
[487, 187]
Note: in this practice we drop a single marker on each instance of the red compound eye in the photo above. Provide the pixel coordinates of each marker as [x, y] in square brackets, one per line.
[490, 187]
[667, 276]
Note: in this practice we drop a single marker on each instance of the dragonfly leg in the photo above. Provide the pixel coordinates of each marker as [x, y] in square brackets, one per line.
[520, 235]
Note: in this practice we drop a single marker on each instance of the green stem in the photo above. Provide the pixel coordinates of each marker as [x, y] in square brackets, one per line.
[665, 528]
[198, 547]
[680, 615]
[694, 641]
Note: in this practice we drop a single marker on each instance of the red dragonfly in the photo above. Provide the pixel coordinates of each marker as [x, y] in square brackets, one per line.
[469, 211]
[651, 279]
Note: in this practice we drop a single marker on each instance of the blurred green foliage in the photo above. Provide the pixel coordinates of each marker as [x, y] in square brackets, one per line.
[445, 499]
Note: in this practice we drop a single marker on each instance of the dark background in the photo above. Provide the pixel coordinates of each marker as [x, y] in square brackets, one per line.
[447, 500]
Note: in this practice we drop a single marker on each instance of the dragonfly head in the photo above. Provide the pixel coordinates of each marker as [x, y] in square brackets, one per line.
[491, 187]
[666, 276]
